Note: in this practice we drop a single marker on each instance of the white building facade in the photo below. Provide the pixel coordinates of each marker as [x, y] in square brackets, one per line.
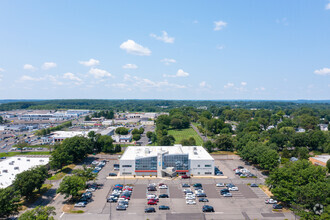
[166, 161]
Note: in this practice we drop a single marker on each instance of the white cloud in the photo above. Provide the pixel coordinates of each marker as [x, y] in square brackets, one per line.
[72, 77]
[168, 61]
[1, 76]
[130, 66]
[134, 48]
[203, 84]
[120, 85]
[283, 21]
[219, 25]
[323, 72]
[49, 65]
[260, 89]
[99, 73]
[165, 38]
[2, 70]
[327, 6]
[243, 83]
[29, 67]
[228, 85]
[220, 47]
[54, 80]
[179, 73]
[30, 78]
[90, 62]
[195, 22]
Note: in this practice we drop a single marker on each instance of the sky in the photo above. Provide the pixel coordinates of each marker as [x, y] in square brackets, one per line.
[197, 50]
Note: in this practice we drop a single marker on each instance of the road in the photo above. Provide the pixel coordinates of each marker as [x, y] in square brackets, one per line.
[200, 134]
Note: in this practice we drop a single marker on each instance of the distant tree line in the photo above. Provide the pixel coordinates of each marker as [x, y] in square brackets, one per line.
[46, 131]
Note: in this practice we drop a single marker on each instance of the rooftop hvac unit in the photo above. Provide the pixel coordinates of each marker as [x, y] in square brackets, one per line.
[147, 151]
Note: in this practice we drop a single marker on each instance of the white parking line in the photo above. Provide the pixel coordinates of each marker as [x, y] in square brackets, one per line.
[62, 215]
[132, 213]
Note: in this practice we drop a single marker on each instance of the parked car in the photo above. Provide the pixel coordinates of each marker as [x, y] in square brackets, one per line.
[152, 188]
[270, 201]
[240, 167]
[152, 202]
[190, 202]
[197, 185]
[233, 188]
[201, 195]
[112, 200]
[185, 185]
[164, 207]
[163, 196]
[150, 209]
[229, 185]
[224, 191]
[203, 200]
[112, 174]
[208, 208]
[277, 206]
[254, 185]
[227, 195]
[163, 187]
[185, 177]
[220, 185]
[121, 208]
[80, 204]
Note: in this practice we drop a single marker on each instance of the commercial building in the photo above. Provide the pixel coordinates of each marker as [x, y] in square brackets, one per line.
[59, 136]
[122, 138]
[166, 161]
[320, 160]
[12, 166]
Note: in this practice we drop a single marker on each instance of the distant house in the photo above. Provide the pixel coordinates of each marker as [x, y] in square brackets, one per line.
[300, 130]
[59, 136]
[320, 160]
[270, 127]
[146, 121]
[323, 127]
[122, 138]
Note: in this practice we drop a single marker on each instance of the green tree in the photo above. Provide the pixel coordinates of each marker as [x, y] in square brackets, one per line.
[167, 140]
[1, 120]
[209, 146]
[78, 147]
[224, 142]
[85, 173]
[136, 137]
[135, 131]
[9, 202]
[176, 123]
[328, 165]
[71, 185]
[121, 131]
[105, 144]
[188, 142]
[39, 213]
[87, 118]
[59, 158]
[149, 134]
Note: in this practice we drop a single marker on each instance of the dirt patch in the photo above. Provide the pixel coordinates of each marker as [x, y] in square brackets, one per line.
[266, 190]
[67, 208]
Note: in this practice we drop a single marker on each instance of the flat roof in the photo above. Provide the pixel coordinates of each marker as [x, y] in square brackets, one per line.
[322, 158]
[68, 134]
[19, 164]
[194, 152]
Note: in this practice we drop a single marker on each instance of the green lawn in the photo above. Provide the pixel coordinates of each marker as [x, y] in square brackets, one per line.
[186, 134]
[17, 153]
[60, 174]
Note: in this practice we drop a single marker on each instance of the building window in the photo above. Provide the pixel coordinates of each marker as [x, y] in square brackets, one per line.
[207, 165]
[208, 172]
[198, 173]
[146, 163]
[126, 166]
[126, 173]
[198, 165]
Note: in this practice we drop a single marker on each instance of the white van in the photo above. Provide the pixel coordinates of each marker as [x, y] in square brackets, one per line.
[152, 197]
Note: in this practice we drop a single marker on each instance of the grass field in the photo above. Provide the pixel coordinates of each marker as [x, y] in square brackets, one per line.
[185, 134]
[11, 154]
[67, 169]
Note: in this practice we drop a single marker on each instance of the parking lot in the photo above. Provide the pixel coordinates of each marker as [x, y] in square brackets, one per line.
[246, 203]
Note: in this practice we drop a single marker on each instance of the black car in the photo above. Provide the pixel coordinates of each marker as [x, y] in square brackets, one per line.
[230, 185]
[112, 174]
[163, 196]
[208, 208]
[185, 185]
[164, 207]
[197, 185]
[224, 191]
[277, 206]
[203, 200]
[152, 188]
[240, 167]
[112, 200]
[150, 209]
[254, 185]
[121, 208]
[201, 195]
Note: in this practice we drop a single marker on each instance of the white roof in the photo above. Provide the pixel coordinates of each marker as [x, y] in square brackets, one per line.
[322, 158]
[194, 152]
[21, 164]
[68, 134]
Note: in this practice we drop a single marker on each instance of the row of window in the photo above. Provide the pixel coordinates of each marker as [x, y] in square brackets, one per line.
[206, 165]
[126, 166]
[205, 173]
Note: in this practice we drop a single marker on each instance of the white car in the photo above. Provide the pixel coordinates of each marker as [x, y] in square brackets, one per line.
[80, 204]
[199, 191]
[190, 202]
[163, 187]
[90, 190]
[220, 185]
[190, 197]
[233, 189]
[227, 195]
[270, 201]
[122, 199]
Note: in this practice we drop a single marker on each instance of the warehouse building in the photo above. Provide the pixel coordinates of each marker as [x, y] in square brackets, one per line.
[166, 161]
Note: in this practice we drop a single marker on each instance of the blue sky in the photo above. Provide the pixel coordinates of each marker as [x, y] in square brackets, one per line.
[274, 49]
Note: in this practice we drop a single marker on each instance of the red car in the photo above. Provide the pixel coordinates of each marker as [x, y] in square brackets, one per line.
[152, 202]
[160, 184]
[185, 177]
